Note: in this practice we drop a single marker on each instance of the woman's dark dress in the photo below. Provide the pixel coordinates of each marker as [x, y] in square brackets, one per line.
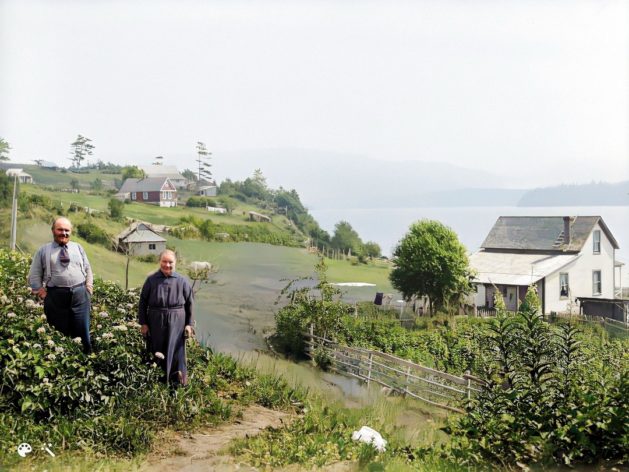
[166, 307]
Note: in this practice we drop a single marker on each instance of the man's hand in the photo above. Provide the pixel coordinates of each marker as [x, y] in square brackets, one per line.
[41, 293]
[188, 332]
[90, 289]
[144, 330]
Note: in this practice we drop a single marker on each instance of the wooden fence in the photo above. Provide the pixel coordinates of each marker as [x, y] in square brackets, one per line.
[431, 386]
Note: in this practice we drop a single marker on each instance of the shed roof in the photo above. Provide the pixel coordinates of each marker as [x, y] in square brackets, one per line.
[139, 233]
[543, 233]
[516, 269]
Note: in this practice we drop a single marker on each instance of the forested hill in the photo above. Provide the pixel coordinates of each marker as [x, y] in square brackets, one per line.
[602, 193]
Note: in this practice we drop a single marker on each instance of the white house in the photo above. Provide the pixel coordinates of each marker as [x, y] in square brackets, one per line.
[22, 176]
[169, 172]
[565, 256]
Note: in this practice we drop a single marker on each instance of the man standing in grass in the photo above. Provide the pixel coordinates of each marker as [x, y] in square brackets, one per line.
[61, 275]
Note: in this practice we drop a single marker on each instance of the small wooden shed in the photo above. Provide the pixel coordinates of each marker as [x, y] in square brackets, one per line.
[140, 240]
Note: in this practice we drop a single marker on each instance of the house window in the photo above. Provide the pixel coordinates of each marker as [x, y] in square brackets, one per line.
[168, 195]
[596, 239]
[597, 285]
[151, 247]
[145, 195]
[133, 195]
[564, 287]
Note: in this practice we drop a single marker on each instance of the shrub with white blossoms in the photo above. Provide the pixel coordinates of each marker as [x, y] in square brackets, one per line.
[103, 314]
[119, 328]
[11, 315]
[76, 340]
[51, 343]
[41, 330]
[108, 336]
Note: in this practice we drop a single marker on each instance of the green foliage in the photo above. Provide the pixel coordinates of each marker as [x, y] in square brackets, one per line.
[430, 261]
[346, 239]
[93, 234]
[96, 184]
[116, 208]
[553, 395]
[4, 149]
[74, 183]
[188, 174]
[6, 191]
[317, 306]
[81, 148]
[200, 201]
[132, 172]
[111, 401]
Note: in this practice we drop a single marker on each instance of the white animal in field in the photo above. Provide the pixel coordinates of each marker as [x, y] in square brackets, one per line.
[370, 436]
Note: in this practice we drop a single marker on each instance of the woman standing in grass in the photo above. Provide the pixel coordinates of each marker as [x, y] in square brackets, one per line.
[165, 316]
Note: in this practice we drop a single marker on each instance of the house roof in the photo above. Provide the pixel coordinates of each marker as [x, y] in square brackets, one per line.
[543, 233]
[516, 269]
[139, 233]
[150, 184]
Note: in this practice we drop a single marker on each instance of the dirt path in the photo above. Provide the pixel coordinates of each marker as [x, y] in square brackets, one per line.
[206, 450]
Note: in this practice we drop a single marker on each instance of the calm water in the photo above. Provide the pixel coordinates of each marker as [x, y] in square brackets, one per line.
[387, 226]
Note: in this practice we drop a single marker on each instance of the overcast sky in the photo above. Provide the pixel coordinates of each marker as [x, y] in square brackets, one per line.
[531, 88]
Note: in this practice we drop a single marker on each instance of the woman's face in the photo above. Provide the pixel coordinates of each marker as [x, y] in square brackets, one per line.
[167, 263]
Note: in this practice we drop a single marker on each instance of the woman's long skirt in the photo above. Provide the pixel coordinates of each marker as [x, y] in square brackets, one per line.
[166, 331]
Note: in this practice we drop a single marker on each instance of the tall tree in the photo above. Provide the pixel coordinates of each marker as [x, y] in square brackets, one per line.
[80, 149]
[430, 261]
[188, 174]
[346, 238]
[4, 150]
[203, 159]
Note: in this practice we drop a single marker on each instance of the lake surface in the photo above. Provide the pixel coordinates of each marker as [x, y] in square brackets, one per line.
[386, 226]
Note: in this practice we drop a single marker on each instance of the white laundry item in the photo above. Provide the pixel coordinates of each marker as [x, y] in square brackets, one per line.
[370, 436]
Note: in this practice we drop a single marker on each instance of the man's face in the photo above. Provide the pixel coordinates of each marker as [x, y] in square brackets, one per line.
[61, 231]
[167, 263]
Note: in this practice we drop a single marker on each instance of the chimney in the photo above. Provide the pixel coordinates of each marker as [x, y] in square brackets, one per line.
[566, 230]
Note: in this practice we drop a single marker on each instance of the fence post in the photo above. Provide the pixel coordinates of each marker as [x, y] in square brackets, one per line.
[406, 383]
[312, 340]
[469, 385]
[369, 365]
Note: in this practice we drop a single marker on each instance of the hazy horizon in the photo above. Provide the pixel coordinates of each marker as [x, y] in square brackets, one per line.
[532, 92]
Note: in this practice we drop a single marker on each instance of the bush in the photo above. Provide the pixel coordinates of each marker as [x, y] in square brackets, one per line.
[200, 201]
[115, 208]
[93, 234]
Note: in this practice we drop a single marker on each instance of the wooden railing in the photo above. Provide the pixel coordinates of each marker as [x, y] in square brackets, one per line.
[431, 386]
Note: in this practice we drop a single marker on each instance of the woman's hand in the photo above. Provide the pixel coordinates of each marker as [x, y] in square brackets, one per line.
[188, 332]
[144, 330]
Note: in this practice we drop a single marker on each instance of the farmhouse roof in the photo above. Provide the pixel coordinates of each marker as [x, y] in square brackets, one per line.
[543, 233]
[139, 233]
[516, 269]
[150, 184]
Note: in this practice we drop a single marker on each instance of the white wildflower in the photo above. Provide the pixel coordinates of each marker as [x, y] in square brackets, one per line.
[20, 299]
[36, 346]
[11, 315]
[41, 330]
[133, 324]
[108, 336]
[4, 300]
[30, 303]
[76, 340]
[119, 328]
[45, 380]
[59, 349]
[122, 311]
[130, 306]
[51, 357]
[159, 355]
[42, 317]
[99, 326]
[51, 343]
[153, 365]
[103, 314]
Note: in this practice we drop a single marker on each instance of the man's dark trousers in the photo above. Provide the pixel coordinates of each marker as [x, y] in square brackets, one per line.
[68, 310]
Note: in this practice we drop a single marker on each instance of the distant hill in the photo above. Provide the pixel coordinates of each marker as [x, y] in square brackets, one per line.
[593, 194]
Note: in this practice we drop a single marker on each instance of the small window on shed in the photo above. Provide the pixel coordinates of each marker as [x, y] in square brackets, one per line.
[151, 246]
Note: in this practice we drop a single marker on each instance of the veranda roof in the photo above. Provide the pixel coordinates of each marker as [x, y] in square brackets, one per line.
[516, 269]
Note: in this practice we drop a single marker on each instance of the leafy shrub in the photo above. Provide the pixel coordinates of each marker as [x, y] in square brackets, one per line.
[93, 234]
[200, 201]
[110, 401]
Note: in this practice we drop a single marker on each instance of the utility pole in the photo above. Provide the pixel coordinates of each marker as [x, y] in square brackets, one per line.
[14, 216]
